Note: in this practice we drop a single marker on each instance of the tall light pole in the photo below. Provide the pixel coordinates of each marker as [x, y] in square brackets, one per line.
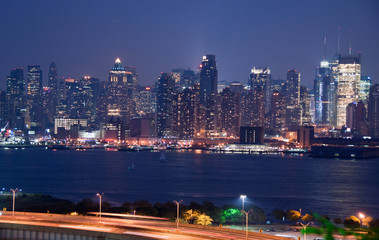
[243, 205]
[100, 195]
[247, 222]
[305, 228]
[361, 216]
[14, 199]
[177, 213]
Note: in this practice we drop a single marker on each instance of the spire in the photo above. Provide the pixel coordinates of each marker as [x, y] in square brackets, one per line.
[118, 60]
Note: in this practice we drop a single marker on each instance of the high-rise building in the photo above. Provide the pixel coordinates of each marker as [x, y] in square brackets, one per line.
[52, 94]
[208, 78]
[15, 98]
[356, 117]
[373, 111]
[229, 113]
[146, 101]
[188, 113]
[208, 92]
[277, 112]
[165, 101]
[292, 93]
[364, 88]
[121, 91]
[3, 109]
[348, 84]
[305, 104]
[324, 93]
[260, 82]
[34, 95]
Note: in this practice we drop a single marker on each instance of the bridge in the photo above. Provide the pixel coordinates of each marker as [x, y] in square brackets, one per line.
[45, 226]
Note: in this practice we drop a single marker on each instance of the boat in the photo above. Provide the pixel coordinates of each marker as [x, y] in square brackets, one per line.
[132, 167]
[163, 158]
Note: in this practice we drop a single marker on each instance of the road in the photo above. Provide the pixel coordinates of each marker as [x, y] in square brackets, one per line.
[151, 228]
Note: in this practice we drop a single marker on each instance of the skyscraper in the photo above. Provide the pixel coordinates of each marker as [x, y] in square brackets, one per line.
[165, 101]
[348, 84]
[373, 111]
[324, 93]
[260, 84]
[34, 95]
[229, 115]
[120, 92]
[208, 78]
[51, 94]
[15, 98]
[208, 92]
[292, 93]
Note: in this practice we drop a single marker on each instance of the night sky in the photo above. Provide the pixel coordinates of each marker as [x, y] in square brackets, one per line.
[85, 37]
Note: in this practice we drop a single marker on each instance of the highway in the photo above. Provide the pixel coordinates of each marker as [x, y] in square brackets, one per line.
[149, 228]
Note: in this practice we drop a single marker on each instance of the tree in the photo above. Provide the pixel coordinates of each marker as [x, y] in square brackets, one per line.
[204, 220]
[366, 221]
[352, 222]
[307, 218]
[230, 216]
[337, 220]
[191, 215]
[293, 215]
[279, 214]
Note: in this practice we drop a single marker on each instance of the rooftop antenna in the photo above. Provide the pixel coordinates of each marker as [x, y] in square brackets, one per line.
[338, 41]
[324, 46]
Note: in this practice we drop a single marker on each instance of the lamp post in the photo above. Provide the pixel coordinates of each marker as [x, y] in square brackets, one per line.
[100, 195]
[177, 213]
[361, 216]
[247, 222]
[305, 227]
[14, 199]
[243, 205]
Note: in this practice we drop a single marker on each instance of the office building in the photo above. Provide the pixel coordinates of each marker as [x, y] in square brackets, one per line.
[292, 94]
[373, 111]
[348, 85]
[208, 92]
[165, 101]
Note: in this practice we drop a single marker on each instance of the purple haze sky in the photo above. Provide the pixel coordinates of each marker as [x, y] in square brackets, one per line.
[85, 37]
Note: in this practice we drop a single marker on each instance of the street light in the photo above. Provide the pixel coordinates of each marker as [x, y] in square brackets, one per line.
[243, 205]
[361, 216]
[177, 213]
[305, 227]
[247, 222]
[100, 195]
[14, 198]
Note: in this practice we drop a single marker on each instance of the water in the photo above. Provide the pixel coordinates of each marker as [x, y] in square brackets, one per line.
[338, 188]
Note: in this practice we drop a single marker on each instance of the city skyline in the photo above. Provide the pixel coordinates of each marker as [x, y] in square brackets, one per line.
[164, 36]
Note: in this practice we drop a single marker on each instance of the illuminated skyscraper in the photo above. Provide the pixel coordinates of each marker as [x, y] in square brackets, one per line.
[15, 98]
[34, 95]
[324, 93]
[292, 93]
[260, 84]
[364, 88]
[229, 115]
[208, 92]
[373, 111]
[348, 85]
[120, 91]
[165, 102]
[50, 94]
